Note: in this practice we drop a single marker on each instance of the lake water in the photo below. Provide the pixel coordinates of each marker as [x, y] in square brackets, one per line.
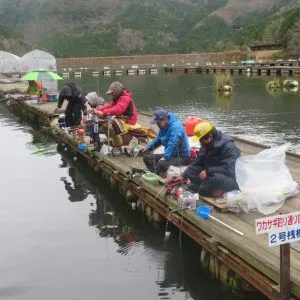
[250, 112]
[66, 235]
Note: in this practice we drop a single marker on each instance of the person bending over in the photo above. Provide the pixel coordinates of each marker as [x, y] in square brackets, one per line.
[76, 103]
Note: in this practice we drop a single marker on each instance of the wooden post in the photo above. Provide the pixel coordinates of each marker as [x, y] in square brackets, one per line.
[285, 272]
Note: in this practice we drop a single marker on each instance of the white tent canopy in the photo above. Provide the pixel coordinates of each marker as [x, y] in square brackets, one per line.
[9, 63]
[38, 59]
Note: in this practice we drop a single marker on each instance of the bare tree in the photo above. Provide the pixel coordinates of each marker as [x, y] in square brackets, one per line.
[130, 40]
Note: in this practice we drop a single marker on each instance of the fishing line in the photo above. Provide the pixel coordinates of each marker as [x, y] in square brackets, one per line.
[181, 219]
[166, 237]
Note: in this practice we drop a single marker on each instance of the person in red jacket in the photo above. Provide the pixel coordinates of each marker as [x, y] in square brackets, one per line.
[122, 107]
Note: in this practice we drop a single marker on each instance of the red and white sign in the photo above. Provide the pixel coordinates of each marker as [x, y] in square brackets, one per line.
[284, 222]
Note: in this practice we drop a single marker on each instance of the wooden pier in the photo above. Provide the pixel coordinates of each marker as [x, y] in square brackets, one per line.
[248, 257]
[258, 69]
[273, 68]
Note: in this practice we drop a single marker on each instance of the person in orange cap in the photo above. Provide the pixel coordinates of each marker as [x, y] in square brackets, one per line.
[212, 173]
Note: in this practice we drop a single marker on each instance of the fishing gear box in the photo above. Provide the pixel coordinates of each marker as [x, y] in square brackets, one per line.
[188, 199]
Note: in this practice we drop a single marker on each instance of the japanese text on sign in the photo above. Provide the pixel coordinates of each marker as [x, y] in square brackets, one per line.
[284, 236]
[277, 223]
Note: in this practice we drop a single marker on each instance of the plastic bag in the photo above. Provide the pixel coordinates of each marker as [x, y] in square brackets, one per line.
[235, 201]
[105, 150]
[264, 180]
[173, 171]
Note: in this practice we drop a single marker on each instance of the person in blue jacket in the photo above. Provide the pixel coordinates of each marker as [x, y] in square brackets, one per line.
[212, 173]
[173, 137]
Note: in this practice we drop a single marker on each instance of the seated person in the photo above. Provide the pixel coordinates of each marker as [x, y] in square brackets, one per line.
[93, 100]
[122, 106]
[34, 88]
[173, 137]
[212, 173]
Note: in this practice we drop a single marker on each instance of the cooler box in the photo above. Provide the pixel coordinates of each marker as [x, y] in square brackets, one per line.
[190, 124]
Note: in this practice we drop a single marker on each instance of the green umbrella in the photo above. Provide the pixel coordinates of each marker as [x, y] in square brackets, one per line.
[41, 75]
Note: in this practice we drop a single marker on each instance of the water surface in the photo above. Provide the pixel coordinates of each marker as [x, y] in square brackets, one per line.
[66, 235]
[250, 112]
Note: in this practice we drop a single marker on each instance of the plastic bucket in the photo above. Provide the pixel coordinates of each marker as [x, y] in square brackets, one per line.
[190, 124]
[151, 178]
[203, 212]
[82, 147]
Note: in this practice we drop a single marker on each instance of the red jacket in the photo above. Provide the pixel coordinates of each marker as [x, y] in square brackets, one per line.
[119, 108]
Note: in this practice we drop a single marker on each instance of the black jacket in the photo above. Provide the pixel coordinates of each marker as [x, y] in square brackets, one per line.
[73, 93]
[219, 159]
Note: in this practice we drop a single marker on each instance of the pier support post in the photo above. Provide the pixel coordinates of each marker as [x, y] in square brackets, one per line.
[285, 271]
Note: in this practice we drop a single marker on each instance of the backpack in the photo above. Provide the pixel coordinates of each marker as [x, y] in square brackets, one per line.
[77, 92]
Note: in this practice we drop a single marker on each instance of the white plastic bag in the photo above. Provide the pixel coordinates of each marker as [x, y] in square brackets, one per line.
[173, 171]
[105, 150]
[234, 201]
[264, 179]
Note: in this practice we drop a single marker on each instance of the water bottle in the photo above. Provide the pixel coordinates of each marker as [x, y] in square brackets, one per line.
[61, 121]
[96, 139]
[96, 125]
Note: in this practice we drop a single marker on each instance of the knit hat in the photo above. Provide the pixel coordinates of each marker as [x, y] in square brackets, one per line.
[116, 88]
[94, 100]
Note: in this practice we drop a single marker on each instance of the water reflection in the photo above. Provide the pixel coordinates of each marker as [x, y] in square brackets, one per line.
[77, 188]
[75, 238]
[178, 272]
[41, 143]
[224, 99]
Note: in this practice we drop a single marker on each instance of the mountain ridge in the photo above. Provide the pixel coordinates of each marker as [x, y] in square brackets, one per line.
[132, 27]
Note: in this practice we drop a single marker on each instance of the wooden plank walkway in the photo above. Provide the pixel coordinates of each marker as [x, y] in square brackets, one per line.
[251, 248]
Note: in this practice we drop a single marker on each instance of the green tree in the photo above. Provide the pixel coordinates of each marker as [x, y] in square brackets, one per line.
[293, 47]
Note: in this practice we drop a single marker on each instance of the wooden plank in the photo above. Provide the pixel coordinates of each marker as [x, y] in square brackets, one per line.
[220, 206]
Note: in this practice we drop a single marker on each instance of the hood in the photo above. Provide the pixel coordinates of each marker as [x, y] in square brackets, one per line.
[173, 118]
[125, 93]
[221, 139]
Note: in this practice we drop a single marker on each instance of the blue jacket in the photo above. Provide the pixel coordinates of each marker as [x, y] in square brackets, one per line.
[173, 137]
[220, 159]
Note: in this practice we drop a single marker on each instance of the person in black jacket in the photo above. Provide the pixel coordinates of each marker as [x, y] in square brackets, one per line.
[212, 173]
[76, 103]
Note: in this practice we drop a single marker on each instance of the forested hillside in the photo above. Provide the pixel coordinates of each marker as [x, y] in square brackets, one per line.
[12, 40]
[124, 27]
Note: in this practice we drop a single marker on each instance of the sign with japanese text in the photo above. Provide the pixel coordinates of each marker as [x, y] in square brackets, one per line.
[285, 235]
[281, 229]
[277, 223]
